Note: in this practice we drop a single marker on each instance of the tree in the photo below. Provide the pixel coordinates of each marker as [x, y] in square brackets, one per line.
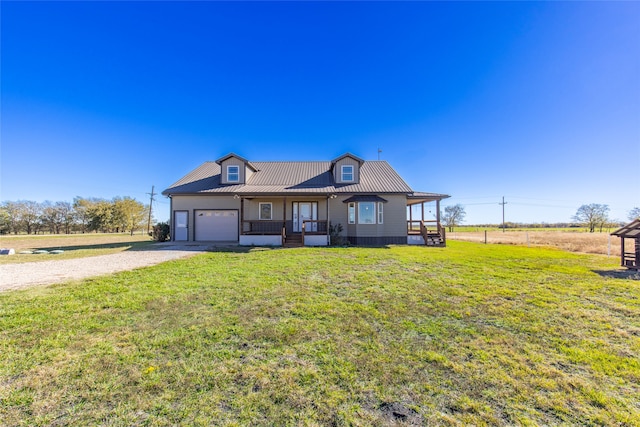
[453, 216]
[129, 214]
[592, 216]
[634, 214]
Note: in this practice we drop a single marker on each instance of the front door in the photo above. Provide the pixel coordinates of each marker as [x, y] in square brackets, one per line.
[305, 211]
[181, 226]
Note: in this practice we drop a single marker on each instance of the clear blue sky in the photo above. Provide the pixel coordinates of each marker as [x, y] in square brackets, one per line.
[535, 101]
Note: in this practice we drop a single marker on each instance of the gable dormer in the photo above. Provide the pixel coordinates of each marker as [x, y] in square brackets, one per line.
[234, 169]
[346, 169]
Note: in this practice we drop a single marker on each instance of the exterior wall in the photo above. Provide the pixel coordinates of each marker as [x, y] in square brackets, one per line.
[193, 203]
[337, 170]
[253, 240]
[316, 240]
[252, 207]
[393, 230]
[232, 161]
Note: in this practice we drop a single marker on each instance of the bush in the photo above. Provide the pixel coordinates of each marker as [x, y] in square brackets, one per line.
[161, 232]
[335, 239]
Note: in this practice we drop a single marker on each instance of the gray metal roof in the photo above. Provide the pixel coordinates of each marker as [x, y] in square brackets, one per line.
[376, 177]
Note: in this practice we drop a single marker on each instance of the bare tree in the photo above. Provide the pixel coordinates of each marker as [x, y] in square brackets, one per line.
[634, 214]
[453, 216]
[592, 216]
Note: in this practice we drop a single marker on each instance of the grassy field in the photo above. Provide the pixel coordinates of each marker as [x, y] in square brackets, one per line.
[73, 245]
[468, 334]
[572, 241]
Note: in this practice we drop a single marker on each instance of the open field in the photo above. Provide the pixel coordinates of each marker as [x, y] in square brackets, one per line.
[74, 245]
[468, 334]
[572, 241]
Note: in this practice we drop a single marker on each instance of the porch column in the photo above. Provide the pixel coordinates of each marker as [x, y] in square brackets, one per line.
[284, 212]
[438, 211]
[241, 215]
[422, 205]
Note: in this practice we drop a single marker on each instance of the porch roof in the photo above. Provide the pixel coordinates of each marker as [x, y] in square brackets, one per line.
[631, 230]
[418, 197]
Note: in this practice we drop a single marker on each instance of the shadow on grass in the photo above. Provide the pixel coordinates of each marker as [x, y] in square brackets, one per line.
[134, 245]
[619, 274]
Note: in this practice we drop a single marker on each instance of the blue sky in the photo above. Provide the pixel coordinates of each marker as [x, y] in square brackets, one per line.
[535, 101]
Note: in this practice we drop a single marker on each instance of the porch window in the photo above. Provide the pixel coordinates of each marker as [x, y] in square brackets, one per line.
[366, 213]
[380, 215]
[347, 173]
[265, 211]
[352, 213]
[233, 173]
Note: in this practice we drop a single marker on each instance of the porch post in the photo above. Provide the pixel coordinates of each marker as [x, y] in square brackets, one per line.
[284, 212]
[621, 251]
[438, 212]
[422, 205]
[411, 215]
[241, 215]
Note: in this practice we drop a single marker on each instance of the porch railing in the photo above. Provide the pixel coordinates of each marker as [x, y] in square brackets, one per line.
[427, 229]
[313, 227]
[262, 227]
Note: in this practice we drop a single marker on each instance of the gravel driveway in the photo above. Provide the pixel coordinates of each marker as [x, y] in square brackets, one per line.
[16, 276]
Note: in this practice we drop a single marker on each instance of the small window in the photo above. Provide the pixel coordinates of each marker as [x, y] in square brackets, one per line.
[347, 173]
[380, 216]
[366, 213]
[352, 213]
[233, 173]
[265, 211]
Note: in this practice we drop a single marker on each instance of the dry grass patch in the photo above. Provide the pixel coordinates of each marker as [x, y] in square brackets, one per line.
[589, 243]
[73, 245]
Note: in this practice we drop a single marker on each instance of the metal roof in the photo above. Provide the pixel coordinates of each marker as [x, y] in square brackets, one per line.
[275, 178]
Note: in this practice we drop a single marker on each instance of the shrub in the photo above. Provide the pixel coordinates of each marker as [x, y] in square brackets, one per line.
[334, 235]
[161, 232]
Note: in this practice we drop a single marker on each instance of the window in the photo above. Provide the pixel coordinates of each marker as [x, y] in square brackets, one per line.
[380, 216]
[347, 173]
[366, 213]
[265, 211]
[352, 213]
[233, 173]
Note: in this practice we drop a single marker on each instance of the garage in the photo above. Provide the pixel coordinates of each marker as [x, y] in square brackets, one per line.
[216, 225]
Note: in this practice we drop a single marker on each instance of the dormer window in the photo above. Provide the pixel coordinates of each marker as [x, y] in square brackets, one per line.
[233, 173]
[347, 173]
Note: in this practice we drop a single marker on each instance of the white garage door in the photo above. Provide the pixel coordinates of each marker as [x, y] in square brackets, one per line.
[216, 225]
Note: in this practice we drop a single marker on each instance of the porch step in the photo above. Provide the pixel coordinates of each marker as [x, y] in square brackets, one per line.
[434, 239]
[293, 241]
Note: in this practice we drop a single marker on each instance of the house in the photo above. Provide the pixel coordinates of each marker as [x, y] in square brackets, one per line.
[294, 203]
[629, 256]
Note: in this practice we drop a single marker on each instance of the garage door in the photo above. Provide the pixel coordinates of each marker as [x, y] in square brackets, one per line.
[216, 225]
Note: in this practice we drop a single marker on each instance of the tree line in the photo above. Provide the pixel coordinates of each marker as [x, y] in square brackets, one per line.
[83, 215]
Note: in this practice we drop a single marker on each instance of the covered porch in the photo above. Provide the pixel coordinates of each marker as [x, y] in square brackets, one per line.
[629, 252]
[423, 229]
[284, 221]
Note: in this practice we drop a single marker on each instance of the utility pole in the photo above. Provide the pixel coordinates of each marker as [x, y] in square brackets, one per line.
[150, 207]
[503, 203]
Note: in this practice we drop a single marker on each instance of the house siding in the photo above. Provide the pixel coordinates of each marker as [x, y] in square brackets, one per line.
[394, 224]
[232, 161]
[337, 170]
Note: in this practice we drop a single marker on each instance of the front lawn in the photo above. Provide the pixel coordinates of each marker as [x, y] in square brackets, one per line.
[468, 334]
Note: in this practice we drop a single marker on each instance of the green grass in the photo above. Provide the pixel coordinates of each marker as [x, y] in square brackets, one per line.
[468, 334]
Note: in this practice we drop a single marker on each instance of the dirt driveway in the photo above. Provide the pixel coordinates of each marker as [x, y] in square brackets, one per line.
[16, 276]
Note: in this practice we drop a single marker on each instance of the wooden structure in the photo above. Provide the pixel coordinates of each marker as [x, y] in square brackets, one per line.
[432, 232]
[629, 255]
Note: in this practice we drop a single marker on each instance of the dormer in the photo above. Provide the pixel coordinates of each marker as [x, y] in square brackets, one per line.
[234, 169]
[346, 169]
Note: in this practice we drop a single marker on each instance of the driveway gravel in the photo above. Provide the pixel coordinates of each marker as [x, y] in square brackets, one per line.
[16, 276]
